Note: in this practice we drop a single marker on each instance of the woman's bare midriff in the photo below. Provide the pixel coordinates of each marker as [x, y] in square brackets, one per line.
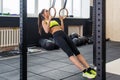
[54, 29]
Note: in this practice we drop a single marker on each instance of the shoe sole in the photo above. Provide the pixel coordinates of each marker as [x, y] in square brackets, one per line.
[94, 73]
[87, 76]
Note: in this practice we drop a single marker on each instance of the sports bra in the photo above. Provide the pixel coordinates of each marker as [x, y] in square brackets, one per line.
[53, 23]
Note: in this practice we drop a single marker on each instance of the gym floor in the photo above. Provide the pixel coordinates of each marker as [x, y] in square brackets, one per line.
[54, 65]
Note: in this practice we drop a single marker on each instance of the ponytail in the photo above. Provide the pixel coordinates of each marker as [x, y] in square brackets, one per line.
[40, 19]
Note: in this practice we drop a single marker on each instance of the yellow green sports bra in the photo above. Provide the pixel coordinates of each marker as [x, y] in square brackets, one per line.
[53, 23]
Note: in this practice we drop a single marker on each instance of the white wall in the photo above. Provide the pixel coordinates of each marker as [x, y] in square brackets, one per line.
[113, 19]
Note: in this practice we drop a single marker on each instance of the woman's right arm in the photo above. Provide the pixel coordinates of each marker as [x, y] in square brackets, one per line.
[46, 26]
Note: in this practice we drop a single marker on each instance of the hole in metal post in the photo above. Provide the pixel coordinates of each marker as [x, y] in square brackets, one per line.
[98, 2]
[98, 42]
[98, 8]
[98, 69]
[98, 58]
[98, 47]
[98, 25]
[98, 75]
[98, 30]
[98, 65]
[98, 36]
[98, 53]
[98, 14]
[98, 19]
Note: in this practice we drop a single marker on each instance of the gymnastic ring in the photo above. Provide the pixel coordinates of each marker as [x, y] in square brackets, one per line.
[54, 12]
[66, 12]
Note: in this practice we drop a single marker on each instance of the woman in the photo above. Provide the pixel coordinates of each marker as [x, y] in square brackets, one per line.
[46, 23]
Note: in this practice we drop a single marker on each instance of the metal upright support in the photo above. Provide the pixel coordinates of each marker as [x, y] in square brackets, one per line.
[99, 46]
[23, 41]
[94, 32]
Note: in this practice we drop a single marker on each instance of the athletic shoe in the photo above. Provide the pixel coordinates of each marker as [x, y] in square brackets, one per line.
[88, 75]
[93, 71]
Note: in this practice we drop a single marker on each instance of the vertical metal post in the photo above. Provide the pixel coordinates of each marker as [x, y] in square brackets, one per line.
[94, 32]
[99, 38]
[23, 42]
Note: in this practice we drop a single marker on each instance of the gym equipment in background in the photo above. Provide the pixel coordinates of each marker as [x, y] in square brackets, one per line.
[48, 44]
[78, 40]
[73, 35]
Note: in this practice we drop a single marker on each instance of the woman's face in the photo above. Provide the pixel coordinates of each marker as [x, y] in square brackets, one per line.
[46, 13]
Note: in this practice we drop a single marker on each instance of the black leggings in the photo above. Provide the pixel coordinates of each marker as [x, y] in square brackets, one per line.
[65, 43]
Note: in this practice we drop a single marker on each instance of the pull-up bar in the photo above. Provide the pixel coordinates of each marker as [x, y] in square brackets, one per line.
[99, 39]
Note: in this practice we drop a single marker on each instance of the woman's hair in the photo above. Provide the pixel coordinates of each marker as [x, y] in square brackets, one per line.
[40, 19]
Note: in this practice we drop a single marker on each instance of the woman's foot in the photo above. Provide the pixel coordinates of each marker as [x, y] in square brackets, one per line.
[91, 70]
[88, 75]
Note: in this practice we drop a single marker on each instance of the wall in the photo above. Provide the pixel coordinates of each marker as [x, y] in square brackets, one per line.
[113, 19]
[32, 28]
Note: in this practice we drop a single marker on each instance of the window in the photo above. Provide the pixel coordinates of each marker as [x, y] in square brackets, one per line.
[85, 8]
[58, 7]
[13, 8]
[77, 8]
[43, 4]
[0, 6]
[30, 6]
[81, 8]
[69, 7]
[46, 4]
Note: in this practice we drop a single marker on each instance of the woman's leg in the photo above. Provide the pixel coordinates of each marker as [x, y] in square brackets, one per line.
[76, 52]
[79, 56]
[65, 47]
[62, 43]
[83, 61]
[75, 61]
